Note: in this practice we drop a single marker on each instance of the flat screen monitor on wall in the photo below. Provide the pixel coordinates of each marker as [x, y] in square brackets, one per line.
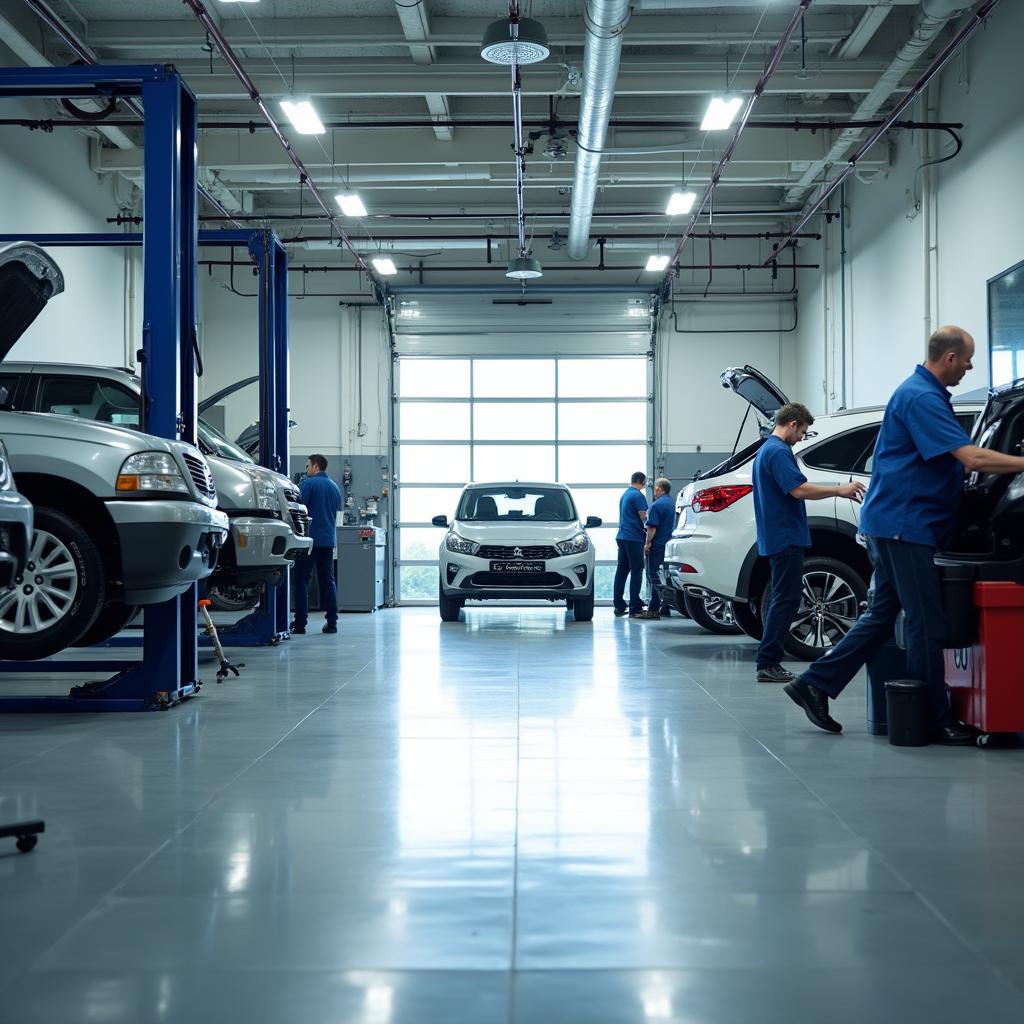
[1006, 326]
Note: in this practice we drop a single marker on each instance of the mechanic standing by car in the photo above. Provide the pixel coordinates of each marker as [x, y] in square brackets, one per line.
[661, 517]
[780, 490]
[910, 512]
[630, 541]
[322, 498]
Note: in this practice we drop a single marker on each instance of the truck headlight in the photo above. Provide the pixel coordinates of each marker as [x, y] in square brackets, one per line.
[266, 494]
[6, 483]
[150, 471]
[461, 546]
[574, 545]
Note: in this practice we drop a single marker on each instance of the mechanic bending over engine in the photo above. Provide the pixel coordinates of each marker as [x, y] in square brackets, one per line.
[780, 493]
[910, 512]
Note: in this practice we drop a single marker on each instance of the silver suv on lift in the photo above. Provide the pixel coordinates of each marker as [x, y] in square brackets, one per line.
[121, 518]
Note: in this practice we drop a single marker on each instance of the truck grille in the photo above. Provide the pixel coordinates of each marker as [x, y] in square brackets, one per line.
[299, 519]
[292, 493]
[201, 475]
[535, 553]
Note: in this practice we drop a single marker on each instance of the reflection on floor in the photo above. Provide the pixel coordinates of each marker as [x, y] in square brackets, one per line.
[513, 818]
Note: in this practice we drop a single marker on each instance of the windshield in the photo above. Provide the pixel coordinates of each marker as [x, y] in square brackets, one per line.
[218, 444]
[507, 504]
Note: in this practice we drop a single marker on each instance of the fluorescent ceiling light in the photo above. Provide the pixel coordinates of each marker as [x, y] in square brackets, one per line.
[384, 265]
[656, 263]
[680, 202]
[636, 311]
[303, 117]
[351, 205]
[239, 1]
[720, 113]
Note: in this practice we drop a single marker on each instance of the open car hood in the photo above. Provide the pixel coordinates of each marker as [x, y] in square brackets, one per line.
[752, 385]
[28, 280]
[219, 396]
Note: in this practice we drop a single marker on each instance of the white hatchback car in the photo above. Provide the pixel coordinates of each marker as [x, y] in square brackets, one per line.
[713, 550]
[516, 540]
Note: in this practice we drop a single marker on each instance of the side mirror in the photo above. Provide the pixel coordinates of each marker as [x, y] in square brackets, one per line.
[593, 522]
[440, 520]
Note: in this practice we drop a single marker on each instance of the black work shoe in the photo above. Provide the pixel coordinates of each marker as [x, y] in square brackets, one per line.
[296, 628]
[774, 674]
[814, 703]
[619, 612]
[955, 734]
[331, 627]
[640, 613]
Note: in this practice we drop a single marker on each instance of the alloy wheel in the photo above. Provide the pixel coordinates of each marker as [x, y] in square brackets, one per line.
[45, 590]
[828, 610]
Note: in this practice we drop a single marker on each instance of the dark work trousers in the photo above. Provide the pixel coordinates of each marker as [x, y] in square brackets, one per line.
[323, 559]
[787, 584]
[631, 564]
[654, 563]
[905, 577]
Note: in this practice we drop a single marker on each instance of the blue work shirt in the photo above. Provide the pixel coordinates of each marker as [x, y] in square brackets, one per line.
[662, 515]
[631, 526]
[781, 519]
[320, 494]
[916, 484]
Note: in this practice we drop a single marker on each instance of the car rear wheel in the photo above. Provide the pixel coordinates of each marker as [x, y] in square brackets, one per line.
[58, 596]
[713, 613]
[450, 607]
[831, 599]
[583, 608]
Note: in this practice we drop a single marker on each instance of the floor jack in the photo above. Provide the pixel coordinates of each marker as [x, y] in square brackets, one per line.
[211, 631]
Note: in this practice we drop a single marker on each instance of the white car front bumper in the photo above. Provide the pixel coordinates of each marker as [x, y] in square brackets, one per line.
[470, 577]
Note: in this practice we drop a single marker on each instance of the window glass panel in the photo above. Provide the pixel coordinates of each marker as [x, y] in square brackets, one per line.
[8, 385]
[433, 421]
[419, 543]
[433, 378]
[605, 547]
[516, 502]
[421, 504]
[433, 463]
[513, 462]
[602, 463]
[417, 583]
[514, 378]
[501, 421]
[599, 501]
[844, 454]
[602, 378]
[91, 399]
[602, 421]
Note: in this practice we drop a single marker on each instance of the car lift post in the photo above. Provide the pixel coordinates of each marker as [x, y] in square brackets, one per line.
[169, 670]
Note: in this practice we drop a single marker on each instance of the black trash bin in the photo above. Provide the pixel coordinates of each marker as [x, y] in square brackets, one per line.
[906, 702]
[957, 582]
[889, 663]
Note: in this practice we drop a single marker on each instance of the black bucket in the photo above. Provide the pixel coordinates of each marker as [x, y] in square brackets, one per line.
[906, 702]
[957, 582]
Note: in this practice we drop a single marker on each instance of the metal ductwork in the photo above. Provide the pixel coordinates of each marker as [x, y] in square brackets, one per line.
[605, 21]
[933, 16]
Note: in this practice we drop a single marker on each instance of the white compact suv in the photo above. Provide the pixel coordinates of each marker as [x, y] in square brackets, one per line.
[713, 550]
[516, 540]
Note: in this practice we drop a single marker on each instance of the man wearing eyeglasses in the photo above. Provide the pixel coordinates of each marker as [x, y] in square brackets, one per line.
[780, 493]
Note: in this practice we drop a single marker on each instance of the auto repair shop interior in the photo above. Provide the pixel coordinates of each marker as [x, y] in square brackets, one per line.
[489, 260]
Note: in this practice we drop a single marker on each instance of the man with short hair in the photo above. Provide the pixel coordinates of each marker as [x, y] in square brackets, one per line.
[910, 512]
[322, 498]
[780, 491]
[661, 517]
[630, 540]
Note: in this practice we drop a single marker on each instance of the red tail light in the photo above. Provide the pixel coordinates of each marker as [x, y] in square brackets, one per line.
[714, 499]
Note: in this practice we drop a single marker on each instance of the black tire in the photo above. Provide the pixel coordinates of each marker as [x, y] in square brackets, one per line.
[714, 614]
[450, 607]
[583, 608]
[55, 617]
[679, 602]
[110, 621]
[747, 619]
[833, 597]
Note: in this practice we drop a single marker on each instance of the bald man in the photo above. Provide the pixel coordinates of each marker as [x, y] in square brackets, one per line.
[910, 513]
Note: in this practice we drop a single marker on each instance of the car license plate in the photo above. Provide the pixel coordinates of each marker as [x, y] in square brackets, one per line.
[517, 567]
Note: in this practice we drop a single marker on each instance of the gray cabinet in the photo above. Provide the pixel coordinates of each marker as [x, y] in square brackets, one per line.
[361, 563]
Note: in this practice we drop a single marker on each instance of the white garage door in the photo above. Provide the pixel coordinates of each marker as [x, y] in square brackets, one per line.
[584, 421]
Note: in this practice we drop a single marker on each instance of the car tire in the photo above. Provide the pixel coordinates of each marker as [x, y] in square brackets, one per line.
[110, 621]
[823, 577]
[713, 614]
[583, 608]
[747, 619]
[679, 601]
[69, 564]
[450, 607]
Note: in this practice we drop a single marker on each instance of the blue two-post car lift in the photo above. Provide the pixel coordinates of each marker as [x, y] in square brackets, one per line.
[168, 671]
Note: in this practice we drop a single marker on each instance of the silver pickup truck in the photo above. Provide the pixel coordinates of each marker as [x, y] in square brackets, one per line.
[121, 518]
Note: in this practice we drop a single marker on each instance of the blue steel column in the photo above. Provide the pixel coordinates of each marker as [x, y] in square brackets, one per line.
[282, 397]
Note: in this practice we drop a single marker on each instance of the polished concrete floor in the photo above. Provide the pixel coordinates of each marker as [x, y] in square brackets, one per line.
[515, 818]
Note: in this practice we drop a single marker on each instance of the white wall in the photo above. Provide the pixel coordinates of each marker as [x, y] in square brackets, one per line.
[976, 215]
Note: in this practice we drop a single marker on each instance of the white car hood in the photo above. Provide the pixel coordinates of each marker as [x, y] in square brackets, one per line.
[516, 533]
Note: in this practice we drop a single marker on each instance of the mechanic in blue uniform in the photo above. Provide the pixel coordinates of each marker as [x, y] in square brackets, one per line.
[661, 521]
[630, 540]
[322, 498]
[910, 513]
[780, 491]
